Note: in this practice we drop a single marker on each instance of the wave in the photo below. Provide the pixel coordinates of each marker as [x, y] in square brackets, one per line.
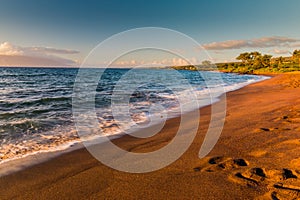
[35, 102]
[24, 75]
[28, 127]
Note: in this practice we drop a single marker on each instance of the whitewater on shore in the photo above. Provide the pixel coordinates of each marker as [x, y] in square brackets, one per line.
[36, 104]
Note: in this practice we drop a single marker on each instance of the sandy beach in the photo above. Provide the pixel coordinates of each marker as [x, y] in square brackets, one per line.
[256, 157]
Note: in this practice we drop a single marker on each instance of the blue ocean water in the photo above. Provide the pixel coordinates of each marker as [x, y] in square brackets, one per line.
[36, 103]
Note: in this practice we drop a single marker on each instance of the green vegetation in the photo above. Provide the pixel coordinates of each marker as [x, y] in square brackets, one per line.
[256, 63]
[205, 66]
[252, 63]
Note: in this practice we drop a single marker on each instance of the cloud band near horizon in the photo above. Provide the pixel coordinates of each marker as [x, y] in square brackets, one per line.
[263, 42]
[12, 55]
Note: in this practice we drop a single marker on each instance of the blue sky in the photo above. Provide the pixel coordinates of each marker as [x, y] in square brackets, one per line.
[226, 28]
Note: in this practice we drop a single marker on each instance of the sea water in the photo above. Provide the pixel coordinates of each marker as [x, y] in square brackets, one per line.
[36, 103]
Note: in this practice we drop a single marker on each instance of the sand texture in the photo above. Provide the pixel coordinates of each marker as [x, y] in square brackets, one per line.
[256, 157]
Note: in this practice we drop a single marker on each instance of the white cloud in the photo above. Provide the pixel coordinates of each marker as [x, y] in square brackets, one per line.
[280, 51]
[163, 62]
[16, 55]
[50, 50]
[179, 62]
[297, 44]
[263, 42]
[10, 50]
[230, 44]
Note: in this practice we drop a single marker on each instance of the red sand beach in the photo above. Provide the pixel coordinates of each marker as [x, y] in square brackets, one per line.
[257, 156]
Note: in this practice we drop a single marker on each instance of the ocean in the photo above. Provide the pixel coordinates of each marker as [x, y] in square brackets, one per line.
[36, 103]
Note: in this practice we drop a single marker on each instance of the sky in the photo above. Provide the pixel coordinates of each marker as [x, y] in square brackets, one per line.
[62, 33]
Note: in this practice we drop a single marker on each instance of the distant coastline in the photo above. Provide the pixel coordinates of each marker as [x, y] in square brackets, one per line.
[251, 63]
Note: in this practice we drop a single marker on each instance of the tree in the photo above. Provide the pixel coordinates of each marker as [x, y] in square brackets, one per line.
[296, 53]
[249, 58]
[254, 60]
[280, 60]
[244, 57]
[265, 60]
[254, 56]
[261, 61]
[206, 63]
[296, 56]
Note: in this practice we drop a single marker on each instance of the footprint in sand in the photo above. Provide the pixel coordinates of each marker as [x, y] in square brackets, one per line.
[292, 118]
[266, 129]
[251, 177]
[282, 184]
[221, 163]
[286, 191]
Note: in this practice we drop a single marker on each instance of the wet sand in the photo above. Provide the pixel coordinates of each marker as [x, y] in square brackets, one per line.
[257, 156]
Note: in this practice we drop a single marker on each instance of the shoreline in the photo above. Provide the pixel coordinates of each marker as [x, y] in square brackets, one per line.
[35, 157]
[246, 143]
